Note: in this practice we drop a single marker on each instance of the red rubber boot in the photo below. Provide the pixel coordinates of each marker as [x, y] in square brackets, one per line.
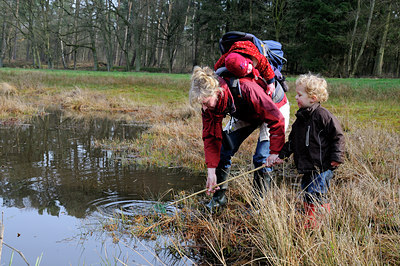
[314, 213]
[326, 208]
[310, 218]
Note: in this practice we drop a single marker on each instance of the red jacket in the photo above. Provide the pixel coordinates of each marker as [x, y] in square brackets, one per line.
[259, 109]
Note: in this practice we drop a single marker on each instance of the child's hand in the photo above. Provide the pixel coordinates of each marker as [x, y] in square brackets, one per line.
[335, 164]
[249, 69]
[279, 161]
[271, 160]
[271, 88]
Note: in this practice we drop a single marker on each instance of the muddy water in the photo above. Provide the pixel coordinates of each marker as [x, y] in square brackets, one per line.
[56, 187]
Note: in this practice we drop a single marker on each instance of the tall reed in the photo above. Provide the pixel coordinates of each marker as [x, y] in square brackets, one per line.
[362, 228]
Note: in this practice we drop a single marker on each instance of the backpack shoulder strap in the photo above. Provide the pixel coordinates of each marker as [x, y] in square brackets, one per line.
[232, 81]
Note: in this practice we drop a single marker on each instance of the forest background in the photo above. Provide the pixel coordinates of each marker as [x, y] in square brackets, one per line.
[356, 38]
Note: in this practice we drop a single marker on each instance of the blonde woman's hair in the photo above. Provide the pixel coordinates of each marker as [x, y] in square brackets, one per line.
[314, 86]
[204, 83]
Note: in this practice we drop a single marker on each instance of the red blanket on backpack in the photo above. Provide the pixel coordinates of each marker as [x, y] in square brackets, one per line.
[248, 48]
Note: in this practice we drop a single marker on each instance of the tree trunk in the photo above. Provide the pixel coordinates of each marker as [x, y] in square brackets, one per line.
[365, 39]
[116, 61]
[381, 51]
[146, 37]
[158, 44]
[60, 17]
[127, 37]
[14, 53]
[37, 60]
[76, 16]
[107, 33]
[353, 36]
[2, 42]
[278, 6]
[169, 37]
[48, 52]
[136, 39]
[94, 53]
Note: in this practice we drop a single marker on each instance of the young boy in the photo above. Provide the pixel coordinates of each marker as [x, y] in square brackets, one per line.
[317, 142]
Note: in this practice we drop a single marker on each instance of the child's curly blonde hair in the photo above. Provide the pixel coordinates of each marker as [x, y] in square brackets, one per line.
[314, 86]
[204, 84]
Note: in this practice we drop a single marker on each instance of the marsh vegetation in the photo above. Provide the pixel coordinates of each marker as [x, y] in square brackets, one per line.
[363, 227]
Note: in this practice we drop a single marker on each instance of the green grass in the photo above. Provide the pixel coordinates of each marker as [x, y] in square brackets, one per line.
[147, 88]
[362, 83]
[75, 73]
[366, 100]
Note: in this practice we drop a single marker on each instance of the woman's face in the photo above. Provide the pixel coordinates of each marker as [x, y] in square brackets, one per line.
[209, 102]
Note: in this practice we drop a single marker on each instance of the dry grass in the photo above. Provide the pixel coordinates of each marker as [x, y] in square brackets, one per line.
[12, 105]
[174, 139]
[7, 90]
[88, 100]
[362, 229]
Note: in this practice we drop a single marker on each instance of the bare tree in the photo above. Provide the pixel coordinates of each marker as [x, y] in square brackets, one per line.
[14, 51]
[4, 34]
[124, 30]
[381, 50]
[60, 15]
[353, 36]
[366, 34]
[76, 19]
[46, 31]
[106, 23]
[173, 26]
[278, 12]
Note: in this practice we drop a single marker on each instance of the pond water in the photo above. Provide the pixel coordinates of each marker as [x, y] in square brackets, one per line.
[56, 188]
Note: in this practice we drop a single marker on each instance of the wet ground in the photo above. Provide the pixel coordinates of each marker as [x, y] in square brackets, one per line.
[56, 188]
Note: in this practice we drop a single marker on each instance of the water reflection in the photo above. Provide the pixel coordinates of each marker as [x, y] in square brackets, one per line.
[52, 163]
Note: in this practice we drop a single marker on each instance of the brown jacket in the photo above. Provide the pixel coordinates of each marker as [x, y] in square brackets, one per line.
[316, 140]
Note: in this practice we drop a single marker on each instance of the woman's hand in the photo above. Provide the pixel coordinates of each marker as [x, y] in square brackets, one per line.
[211, 181]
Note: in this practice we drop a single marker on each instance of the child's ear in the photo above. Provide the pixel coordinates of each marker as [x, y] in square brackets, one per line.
[314, 98]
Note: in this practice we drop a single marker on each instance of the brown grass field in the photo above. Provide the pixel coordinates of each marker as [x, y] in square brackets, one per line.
[363, 227]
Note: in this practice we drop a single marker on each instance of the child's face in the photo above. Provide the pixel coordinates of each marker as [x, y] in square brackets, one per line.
[249, 68]
[302, 98]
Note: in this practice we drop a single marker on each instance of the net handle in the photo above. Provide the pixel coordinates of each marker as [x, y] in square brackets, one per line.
[217, 185]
